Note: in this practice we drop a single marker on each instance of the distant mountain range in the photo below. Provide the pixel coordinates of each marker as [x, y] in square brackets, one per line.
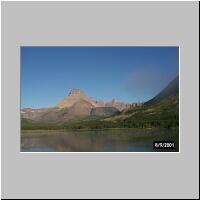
[76, 95]
[78, 111]
[77, 105]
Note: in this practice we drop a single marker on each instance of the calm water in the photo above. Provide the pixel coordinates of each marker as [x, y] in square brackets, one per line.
[96, 141]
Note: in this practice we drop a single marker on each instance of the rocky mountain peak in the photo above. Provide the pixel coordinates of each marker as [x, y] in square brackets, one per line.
[76, 92]
[75, 95]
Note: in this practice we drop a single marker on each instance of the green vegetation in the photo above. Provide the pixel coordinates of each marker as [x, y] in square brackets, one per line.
[163, 114]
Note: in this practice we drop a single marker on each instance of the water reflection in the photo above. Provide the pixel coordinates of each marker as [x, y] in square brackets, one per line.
[96, 141]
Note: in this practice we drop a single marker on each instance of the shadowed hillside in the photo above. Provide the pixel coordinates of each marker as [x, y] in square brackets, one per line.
[161, 111]
[172, 89]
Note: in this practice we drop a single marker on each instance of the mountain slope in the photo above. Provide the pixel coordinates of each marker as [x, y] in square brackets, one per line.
[81, 108]
[172, 89]
[104, 111]
[161, 111]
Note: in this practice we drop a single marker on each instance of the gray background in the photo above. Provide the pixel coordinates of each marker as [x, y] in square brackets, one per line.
[138, 175]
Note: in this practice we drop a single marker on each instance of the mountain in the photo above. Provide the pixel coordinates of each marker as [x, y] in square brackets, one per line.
[76, 95]
[77, 105]
[80, 108]
[172, 89]
[77, 111]
[104, 111]
[160, 111]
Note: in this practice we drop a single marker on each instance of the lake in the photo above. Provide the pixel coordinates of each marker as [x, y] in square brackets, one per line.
[97, 141]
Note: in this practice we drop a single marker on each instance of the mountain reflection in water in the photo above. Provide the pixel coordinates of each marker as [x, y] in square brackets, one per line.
[96, 141]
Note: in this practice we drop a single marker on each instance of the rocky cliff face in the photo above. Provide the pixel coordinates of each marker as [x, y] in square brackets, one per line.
[76, 95]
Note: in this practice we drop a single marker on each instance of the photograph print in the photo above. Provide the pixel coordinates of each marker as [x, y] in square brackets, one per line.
[99, 99]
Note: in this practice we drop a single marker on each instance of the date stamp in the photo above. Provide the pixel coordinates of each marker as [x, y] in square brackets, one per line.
[164, 145]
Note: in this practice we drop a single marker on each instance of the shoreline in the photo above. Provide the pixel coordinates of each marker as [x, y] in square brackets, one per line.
[82, 130]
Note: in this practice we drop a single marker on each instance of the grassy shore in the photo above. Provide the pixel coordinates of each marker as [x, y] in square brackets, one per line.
[140, 130]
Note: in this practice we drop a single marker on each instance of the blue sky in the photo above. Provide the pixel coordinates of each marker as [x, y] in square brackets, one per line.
[129, 74]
